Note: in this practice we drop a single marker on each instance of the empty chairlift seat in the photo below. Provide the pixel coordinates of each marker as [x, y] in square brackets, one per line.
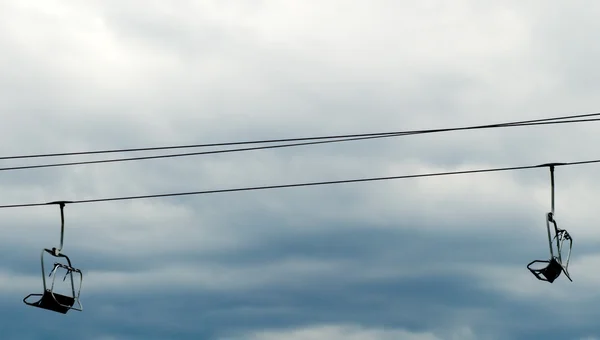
[49, 299]
[549, 270]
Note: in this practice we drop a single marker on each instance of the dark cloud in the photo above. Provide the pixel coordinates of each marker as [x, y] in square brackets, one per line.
[377, 279]
[432, 258]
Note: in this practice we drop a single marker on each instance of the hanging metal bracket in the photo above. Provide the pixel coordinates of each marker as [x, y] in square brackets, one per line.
[61, 204]
[555, 264]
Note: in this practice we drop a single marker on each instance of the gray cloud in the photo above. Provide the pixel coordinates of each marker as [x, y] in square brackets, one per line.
[435, 258]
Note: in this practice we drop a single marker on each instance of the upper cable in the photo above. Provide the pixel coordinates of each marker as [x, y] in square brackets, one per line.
[303, 142]
[540, 121]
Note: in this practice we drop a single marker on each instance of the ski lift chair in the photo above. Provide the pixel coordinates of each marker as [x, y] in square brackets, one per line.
[550, 270]
[49, 299]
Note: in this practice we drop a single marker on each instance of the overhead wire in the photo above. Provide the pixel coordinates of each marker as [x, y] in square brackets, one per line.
[330, 139]
[306, 184]
[282, 140]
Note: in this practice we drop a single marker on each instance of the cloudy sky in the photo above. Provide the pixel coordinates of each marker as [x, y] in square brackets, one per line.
[418, 259]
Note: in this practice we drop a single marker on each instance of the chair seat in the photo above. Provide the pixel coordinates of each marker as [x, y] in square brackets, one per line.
[55, 302]
[550, 273]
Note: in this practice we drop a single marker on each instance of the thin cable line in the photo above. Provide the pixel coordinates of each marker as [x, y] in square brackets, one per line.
[507, 124]
[281, 186]
[394, 134]
[182, 154]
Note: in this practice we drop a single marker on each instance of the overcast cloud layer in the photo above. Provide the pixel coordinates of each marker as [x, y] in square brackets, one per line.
[417, 259]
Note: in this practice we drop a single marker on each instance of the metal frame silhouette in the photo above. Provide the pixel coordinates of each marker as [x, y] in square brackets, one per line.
[48, 299]
[554, 266]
